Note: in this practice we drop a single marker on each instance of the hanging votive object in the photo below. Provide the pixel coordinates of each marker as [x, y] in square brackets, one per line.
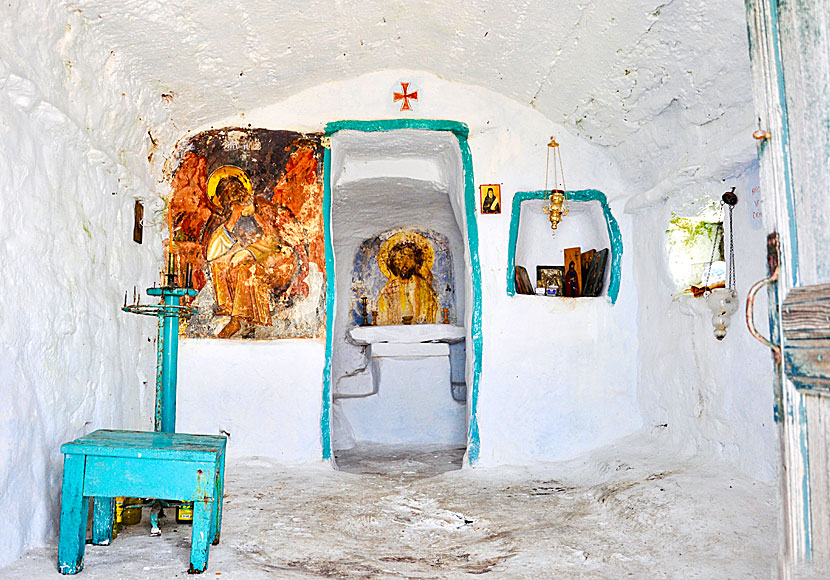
[557, 203]
[723, 302]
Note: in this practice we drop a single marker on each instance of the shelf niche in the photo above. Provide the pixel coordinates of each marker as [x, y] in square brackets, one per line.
[589, 224]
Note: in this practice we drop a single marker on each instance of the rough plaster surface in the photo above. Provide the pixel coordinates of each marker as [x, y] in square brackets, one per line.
[94, 90]
[61, 54]
[632, 79]
[617, 514]
[70, 360]
[670, 88]
[704, 395]
[265, 395]
[414, 403]
[74, 151]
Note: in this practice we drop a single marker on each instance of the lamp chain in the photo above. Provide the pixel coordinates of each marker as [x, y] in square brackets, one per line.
[547, 166]
[715, 244]
[730, 266]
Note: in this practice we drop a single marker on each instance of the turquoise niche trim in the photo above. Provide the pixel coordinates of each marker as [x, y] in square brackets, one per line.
[582, 195]
[325, 418]
[461, 132]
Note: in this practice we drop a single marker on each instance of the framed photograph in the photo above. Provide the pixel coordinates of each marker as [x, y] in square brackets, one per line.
[490, 198]
[550, 278]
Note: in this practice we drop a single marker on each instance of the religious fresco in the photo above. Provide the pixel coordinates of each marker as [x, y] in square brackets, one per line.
[246, 215]
[406, 276]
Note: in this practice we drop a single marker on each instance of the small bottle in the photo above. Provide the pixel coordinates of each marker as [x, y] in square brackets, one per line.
[184, 513]
[132, 514]
[119, 516]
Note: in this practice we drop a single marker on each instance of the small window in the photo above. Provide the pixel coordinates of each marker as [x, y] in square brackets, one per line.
[694, 241]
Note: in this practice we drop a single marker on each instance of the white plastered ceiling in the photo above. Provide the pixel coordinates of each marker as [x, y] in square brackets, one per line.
[657, 81]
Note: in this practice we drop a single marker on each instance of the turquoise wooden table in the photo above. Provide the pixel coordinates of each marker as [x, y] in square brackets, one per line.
[108, 464]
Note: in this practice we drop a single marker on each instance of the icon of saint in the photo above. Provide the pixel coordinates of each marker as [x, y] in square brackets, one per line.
[571, 289]
[408, 296]
[252, 250]
[491, 202]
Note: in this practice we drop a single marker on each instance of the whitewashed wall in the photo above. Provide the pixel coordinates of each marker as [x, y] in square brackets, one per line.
[558, 378]
[79, 119]
[701, 395]
[70, 360]
[73, 158]
[265, 395]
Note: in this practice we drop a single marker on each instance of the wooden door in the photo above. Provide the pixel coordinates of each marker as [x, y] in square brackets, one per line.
[790, 55]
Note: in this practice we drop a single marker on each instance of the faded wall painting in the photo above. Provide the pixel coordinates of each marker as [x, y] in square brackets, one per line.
[246, 214]
[406, 277]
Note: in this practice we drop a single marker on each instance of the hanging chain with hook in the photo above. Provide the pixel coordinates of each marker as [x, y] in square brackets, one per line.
[729, 199]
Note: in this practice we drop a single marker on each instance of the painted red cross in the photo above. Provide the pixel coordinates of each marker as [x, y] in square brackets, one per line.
[405, 96]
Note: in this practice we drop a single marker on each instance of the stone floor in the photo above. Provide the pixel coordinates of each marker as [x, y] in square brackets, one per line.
[393, 513]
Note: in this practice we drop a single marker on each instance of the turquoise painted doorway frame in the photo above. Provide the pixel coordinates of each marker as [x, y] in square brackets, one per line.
[461, 132]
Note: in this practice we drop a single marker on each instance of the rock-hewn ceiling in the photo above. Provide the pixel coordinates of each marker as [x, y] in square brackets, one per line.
[628, 75]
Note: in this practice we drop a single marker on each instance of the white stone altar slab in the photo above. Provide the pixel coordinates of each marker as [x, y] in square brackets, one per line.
[412, 333]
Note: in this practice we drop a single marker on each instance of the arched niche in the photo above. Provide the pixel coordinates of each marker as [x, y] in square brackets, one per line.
[396, 176]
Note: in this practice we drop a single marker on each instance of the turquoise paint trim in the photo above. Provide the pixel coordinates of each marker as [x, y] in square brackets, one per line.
[515, 215]
[805, 482]
[473, 436]
[325, 417]
[581, 195]
[778, 409]
[785, 140]
[459, 129]
[801, 422]
[461, 132]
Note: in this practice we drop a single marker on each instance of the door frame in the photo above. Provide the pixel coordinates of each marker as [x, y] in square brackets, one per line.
[775, 175]
[472, 266]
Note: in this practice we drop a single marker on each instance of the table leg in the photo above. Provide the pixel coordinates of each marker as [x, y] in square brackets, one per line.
[199, 542]
[103, 509]
[220, 493]
[74, 512]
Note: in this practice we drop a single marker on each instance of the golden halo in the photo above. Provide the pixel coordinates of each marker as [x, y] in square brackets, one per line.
[222, 172]
[407, 236]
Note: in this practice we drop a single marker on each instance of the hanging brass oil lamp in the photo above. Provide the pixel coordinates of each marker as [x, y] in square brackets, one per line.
[723, 301]
[557, 203]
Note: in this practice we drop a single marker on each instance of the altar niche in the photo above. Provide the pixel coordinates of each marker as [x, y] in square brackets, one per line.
[398, 209]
